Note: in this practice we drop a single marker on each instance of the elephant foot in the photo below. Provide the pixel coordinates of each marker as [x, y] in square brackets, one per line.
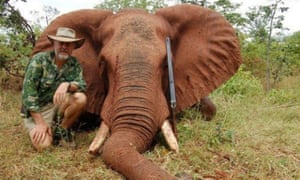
[207, 108]
[169, 135]
[99, 139]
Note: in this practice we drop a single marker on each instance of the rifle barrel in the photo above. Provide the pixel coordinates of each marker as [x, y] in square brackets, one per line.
[171, 75]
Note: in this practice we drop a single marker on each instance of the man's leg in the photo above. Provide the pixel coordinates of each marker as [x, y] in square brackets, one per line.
[72, 108]
[48, 113]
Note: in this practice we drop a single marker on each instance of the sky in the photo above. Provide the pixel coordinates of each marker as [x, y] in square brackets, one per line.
[64, 6]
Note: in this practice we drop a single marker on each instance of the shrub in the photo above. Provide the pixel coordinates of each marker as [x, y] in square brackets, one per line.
[242, 84]
[283, 96]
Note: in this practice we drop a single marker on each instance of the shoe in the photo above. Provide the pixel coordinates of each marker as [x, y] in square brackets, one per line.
[64, 137]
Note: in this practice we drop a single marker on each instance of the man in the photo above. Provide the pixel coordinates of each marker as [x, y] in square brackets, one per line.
[53, 90]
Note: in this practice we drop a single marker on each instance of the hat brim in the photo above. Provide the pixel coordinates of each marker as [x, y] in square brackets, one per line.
[78, 41]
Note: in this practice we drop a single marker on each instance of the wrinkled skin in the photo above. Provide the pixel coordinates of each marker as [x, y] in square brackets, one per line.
[124, 62]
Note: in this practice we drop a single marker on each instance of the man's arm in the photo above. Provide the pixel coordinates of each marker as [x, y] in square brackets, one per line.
[30, 95]
[78, 83]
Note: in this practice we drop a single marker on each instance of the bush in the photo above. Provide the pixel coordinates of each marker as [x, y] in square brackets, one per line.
[283, 96]
[242, 84]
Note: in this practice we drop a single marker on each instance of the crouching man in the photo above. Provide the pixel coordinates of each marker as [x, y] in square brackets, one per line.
[53, 94]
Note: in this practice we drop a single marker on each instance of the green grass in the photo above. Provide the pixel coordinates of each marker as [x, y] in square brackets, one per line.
[253, 136]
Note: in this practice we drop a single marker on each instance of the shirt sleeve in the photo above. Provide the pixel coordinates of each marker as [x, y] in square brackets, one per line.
[30, 95]
[79, 79]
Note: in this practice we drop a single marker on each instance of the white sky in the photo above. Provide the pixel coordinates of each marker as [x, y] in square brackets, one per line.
[291, 16]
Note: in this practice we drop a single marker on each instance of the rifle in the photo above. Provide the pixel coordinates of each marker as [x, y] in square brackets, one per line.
[171, 85]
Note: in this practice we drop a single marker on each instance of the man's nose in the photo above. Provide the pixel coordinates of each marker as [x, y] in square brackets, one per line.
[63, 44]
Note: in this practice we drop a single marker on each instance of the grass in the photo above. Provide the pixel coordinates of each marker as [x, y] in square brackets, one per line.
[252, 137]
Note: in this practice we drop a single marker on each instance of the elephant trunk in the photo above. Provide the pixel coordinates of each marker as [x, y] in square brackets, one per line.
[133, 101]
[120, 154]
[134, 110]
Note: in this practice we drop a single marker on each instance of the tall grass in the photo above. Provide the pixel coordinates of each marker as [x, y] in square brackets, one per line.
[255, 135]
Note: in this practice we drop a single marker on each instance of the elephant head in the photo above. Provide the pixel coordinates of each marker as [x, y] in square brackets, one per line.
[124, 62]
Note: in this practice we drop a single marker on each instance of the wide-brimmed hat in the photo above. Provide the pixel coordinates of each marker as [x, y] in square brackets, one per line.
[64, 34]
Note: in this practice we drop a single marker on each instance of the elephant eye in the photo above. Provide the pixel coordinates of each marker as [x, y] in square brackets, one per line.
[165, 62]
[101, 58]
[101, 63]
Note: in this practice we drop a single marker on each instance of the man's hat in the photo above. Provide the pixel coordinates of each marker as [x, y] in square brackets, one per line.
[64, 34]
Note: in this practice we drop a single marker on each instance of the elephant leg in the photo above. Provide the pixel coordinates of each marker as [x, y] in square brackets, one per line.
[208, 109]
[120, 154]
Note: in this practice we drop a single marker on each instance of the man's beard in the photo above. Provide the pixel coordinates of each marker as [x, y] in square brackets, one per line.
[62, 56]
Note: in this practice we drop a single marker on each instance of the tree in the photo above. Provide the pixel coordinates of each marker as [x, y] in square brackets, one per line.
[12, 20]
[42, 19]
[18, 36]
[204, 3]
[116, 5]
[292, 49]
[225, 7]
[14, 53]
[17, 39]
[262, 21]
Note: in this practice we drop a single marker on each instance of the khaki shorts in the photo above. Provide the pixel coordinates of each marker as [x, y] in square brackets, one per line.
[48, 112]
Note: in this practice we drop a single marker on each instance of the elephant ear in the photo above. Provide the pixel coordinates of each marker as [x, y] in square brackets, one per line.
[205, 48]
[85, 23]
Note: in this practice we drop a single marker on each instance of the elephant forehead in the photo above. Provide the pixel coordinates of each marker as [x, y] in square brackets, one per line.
[142, 25]
[137, 25]
[134, 37]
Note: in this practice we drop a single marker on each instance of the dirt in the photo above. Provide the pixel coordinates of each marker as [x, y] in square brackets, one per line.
[11, 83]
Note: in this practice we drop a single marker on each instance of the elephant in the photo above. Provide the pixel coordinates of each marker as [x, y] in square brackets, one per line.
[124, 64]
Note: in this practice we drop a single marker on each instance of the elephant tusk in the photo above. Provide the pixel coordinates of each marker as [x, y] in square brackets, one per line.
[169, 135]
[99, 139]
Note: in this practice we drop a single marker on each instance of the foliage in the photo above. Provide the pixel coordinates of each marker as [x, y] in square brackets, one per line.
[241, 85]
[229, 11]
[283, 96]
[18, 38]
[12, 20]
[282, 58]
[253, 57]
[14, 53]
[44, 18]
[263, 20]
[204, 3]
[225, 7]
[116, 5]
[292, 49]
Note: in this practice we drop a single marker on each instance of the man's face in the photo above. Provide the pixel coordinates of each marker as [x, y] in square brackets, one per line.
[63, 49]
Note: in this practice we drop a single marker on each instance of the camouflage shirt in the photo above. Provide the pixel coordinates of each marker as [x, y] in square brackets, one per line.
[42, 78]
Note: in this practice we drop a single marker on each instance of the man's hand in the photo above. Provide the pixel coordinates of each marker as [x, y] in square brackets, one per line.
[39, 133]
[60, 93]
[41, 130]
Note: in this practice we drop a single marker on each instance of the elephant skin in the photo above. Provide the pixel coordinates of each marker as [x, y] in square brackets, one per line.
[124, 63]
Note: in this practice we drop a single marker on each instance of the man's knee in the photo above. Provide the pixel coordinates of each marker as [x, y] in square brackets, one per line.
[80, 99]
[42, 145]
